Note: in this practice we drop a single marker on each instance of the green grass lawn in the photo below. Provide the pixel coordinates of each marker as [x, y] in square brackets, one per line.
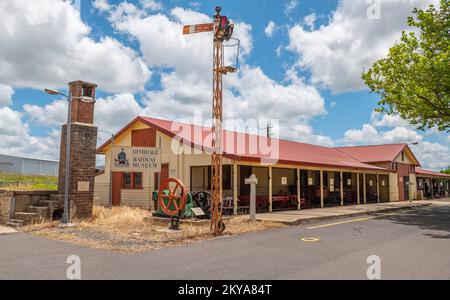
[10, 181]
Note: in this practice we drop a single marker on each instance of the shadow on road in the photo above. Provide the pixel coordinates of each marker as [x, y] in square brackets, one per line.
[430, 218]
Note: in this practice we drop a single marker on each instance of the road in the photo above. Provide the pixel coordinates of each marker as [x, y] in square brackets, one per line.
[411, 244]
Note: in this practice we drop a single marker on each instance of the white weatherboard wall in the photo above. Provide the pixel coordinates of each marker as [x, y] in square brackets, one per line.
[179, 167]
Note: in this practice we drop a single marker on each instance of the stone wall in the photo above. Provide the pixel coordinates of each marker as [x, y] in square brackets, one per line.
[5, 201]
[23, 199]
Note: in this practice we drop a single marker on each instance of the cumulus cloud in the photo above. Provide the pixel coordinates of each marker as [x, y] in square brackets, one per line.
[46, 44]
[337, 53]
[49, 115]
[290, 6]
[151, 4]
[16, 139]
[384, 120]
[6, 93]
[270, 28]
[186, 89]
[310, 20]
[433, 156]
[385, 129]
[113, 113]
[101, 5]
[368, 134]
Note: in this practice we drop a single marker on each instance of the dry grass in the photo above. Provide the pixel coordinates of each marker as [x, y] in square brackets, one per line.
[123, 229]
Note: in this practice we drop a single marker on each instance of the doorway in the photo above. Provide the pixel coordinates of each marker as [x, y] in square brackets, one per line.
[406, 187]
[117, 181]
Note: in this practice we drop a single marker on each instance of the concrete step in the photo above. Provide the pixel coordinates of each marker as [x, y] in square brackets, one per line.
[42, 211]
[15, 223]
[27, 217]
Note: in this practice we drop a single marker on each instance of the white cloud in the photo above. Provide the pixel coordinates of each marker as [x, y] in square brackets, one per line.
[6, 93]
[368, 134]
[385, 120]
[11, 123]
[45, 44]
[433, 156]
[337, 53]
[278, 50]
[53, 114]
[151, 4]
[113, 113]
[270, 28]
[310, 20]
[184, 90]
[101, 5]
[290, 6]
[187, 88]
[16, 139]
[305, 133]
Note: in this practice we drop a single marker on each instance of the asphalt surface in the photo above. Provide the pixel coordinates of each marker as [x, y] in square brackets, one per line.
[412, 244]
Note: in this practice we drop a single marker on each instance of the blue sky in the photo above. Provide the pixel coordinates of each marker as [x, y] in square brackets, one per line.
[301, 62]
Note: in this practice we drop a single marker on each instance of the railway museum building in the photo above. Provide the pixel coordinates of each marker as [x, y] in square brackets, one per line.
[299, 176]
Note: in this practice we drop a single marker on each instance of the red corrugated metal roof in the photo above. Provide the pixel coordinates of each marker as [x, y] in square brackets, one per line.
[376, 153]
[421, 171]
[234, 146]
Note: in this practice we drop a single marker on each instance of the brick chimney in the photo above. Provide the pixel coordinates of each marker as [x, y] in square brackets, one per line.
[82, 151]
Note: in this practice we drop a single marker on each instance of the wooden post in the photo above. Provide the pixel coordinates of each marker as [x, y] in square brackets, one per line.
[321, 189]
[299, 197]
[235, 190]
[342, 188]
[358, 196]
[364, 188]
[270, 189]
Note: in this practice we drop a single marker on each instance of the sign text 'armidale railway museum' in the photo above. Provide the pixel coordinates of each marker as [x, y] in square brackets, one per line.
[136, 159]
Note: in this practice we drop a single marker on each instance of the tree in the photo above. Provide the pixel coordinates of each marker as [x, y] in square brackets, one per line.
[446, 171]
[414, 79]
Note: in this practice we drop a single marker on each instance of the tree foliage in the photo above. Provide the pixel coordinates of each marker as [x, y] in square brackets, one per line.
[446, 171]
[414, 79]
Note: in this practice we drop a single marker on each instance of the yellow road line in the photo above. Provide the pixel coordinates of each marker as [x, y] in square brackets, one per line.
[310, 240]
[351, 221]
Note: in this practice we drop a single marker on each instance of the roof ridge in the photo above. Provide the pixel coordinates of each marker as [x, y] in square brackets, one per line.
[377, 145]
[249, 134]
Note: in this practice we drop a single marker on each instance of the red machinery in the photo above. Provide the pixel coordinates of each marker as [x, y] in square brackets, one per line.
[172, 199]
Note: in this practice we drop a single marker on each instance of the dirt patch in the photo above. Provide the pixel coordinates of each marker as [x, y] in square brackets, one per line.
[123, 229]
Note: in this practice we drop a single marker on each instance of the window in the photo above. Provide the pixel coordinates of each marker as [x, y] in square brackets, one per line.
[403, 156]
[127, 180]
[132, 181]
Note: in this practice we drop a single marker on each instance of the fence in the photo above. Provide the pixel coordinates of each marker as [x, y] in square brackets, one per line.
[28, 185]
[9, 184]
